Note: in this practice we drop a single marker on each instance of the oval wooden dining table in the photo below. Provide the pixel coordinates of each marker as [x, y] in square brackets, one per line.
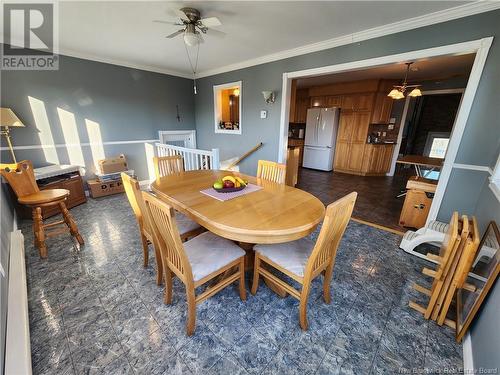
[277, 213]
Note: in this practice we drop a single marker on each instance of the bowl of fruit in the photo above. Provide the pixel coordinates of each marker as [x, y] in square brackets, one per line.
[228, 184]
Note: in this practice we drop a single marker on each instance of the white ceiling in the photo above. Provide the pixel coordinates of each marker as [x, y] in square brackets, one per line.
[123, 32]
[426, 69]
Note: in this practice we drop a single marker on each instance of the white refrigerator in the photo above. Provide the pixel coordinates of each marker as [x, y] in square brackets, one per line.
[321, 133]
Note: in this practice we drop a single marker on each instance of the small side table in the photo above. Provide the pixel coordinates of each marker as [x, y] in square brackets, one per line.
[420, 192]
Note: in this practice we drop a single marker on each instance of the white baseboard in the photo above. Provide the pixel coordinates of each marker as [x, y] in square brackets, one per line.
[467, 354]
[145, 183]
[17, 342]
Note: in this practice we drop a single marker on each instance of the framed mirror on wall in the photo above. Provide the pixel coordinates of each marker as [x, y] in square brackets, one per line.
[483, 275]
[227, 108]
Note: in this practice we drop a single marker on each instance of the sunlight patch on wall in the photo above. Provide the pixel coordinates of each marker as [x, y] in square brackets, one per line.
[71, 137]
[150, 153]
[95, 140]
[44, 132]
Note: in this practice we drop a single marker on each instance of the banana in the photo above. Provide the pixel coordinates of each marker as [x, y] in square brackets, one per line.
[229, 178]
[241, 181]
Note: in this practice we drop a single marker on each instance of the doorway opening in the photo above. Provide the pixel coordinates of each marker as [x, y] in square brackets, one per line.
[380, 145]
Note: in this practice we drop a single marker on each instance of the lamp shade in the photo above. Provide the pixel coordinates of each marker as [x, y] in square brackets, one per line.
[9, 118]
[415, 92]
[396, 94]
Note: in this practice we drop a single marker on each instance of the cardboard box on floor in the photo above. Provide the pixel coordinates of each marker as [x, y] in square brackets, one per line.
[102, 189]
[113, 165]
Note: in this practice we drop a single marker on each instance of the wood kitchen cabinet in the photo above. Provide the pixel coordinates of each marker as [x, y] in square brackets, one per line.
[382, 109]
[318, 101]
[334, 101]
[295, 142]
[356, 153]
[301, 107]
[360, 127]
[351, 141]
[377, 159]
[326, 101]
[341, 160]
[357, 102]
[344, 132]
[353, 154]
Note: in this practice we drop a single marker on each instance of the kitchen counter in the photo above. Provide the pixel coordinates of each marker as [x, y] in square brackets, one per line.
[381, 143]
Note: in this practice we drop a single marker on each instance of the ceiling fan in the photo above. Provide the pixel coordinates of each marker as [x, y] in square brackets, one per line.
[398, 92]
[193, 26]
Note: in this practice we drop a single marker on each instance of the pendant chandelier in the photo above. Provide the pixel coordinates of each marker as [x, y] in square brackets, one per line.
[398, 92]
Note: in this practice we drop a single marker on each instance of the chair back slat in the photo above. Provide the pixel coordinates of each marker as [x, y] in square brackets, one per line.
[164, 227]
[167, 165]
[271, 171]
[134, 195]
[20, 177]
[337, 217]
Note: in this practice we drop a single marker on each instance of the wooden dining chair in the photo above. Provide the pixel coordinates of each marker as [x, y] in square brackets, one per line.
[187, 228]
[445, 261]
[21, 178]
[303, 260]
[271, 171]
[167, 165]
[196, 261]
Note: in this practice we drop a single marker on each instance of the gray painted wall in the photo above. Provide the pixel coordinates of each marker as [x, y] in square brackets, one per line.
[485, 331]
[128, 104]
[465, 190]
[8, 225]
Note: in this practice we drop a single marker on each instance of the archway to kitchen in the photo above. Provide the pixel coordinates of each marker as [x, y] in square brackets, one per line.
[372, 131]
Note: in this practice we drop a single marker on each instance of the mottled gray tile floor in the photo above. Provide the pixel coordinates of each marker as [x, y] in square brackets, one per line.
[97, 310]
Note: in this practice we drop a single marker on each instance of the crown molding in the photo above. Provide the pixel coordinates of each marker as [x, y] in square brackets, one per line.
[149, 68]
[449, 14]
[87, 56]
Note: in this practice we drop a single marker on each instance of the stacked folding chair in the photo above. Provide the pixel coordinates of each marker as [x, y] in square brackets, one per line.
[454, 262]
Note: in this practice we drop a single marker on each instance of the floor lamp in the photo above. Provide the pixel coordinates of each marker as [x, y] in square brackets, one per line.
[8, 119]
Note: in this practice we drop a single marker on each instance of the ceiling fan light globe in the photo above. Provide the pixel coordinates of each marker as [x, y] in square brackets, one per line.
[415, 93]
[191, 39]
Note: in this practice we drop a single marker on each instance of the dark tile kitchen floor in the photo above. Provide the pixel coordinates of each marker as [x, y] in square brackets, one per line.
[96, 310]
[376, 203]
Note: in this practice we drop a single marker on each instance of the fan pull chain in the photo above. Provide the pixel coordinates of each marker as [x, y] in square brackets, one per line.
[195, 65]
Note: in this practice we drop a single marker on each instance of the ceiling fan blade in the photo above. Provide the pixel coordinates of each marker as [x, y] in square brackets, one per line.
[216, 33]
[176, 23]
[179, 13]
[210, 22]
[173, 35]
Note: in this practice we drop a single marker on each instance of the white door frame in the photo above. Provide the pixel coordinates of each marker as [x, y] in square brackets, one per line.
[186, 135]
[480, 47]
[402, 123]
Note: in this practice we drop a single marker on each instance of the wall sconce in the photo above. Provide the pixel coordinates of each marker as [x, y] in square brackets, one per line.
[269, 96]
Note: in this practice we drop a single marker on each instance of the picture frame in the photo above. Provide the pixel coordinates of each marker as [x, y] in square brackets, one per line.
[228, 108]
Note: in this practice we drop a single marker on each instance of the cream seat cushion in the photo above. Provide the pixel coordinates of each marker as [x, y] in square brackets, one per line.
[292, 256]
[208, 253]
[185, 224]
